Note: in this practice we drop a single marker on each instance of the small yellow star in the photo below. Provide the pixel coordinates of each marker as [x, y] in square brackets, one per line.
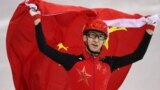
[61, 46]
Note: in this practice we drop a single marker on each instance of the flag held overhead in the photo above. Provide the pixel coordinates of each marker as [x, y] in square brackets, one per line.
[61, 24]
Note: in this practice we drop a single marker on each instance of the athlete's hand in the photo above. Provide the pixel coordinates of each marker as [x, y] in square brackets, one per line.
[35, 13]
[152, 19]
[151, 23]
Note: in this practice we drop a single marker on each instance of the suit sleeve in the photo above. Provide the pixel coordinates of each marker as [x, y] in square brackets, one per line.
[117, 62]
[66, 60]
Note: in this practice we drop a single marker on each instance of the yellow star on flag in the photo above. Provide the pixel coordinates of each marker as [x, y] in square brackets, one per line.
[61, 46]
[111, 30]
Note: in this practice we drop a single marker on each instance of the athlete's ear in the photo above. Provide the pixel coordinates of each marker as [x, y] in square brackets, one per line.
[84, 38]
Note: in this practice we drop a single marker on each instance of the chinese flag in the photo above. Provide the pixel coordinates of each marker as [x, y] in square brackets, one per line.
[62, 25]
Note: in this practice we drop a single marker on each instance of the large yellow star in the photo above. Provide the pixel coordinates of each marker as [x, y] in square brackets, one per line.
[111, 30]
[83, 75]
[61, 46]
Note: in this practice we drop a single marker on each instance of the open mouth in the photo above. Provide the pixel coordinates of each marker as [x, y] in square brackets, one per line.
[94, 45]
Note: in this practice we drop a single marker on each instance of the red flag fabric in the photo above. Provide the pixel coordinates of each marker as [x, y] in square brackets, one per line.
[62, 26]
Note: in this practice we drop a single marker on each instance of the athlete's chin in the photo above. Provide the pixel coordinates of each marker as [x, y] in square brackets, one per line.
[94, 49]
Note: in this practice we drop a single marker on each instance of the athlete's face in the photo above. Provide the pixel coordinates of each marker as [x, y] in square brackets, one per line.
[94, 40]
